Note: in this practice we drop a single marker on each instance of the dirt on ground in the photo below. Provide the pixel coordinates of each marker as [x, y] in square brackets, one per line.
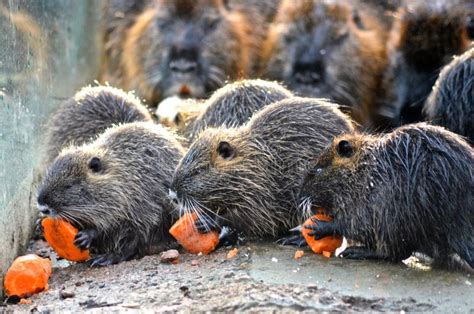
[261, 277]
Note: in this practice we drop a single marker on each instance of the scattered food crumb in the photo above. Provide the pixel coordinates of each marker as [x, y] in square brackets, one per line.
[233, 253]
[299, 254]
[66, 294]
[274, 260]
[131, 305]
[170, 256]
[195, 262]
[468, 283]
[25, 301]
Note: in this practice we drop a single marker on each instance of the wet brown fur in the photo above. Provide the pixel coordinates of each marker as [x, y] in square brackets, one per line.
[239, 45]
[352, 68]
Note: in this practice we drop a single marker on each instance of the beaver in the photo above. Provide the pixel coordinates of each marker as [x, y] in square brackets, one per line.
[88, 113]
[450, 103]
[424, 38]
[115, 191]
[118, 16]
[234, 104]
[407, 191]
[329, 50]
[247, 178]
[187, 48]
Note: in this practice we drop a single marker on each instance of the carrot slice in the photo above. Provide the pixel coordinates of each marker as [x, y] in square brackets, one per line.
[185, 232]
[326, 245]
[27, 275]
[60, 235]
[299, 254]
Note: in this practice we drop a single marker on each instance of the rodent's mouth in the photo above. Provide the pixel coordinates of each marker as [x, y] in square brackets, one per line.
[192, 88]
[45, 210]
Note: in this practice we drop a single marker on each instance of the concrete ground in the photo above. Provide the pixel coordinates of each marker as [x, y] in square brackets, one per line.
[262, 277]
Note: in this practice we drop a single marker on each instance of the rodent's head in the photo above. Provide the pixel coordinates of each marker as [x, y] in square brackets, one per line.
[76, 186]
[450, 102]
[308, 46]
[425, 36]
[123, 176]
[201, 173]
[221, 177]
[330, 176]
[235, 103]
[185, 47]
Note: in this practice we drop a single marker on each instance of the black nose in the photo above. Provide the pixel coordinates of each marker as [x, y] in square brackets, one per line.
[183, 58]
[173, 196]
[183, 66]
[308, 72]
[42, 199]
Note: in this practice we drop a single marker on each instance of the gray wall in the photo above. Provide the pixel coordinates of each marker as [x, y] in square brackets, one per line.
[48, 49]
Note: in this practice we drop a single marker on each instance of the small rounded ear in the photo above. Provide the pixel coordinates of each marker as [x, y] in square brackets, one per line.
[470, 26]
[178, 119]
[345, 149]
[357, 19]
[226, 4]
[95, 164]
[225, 150]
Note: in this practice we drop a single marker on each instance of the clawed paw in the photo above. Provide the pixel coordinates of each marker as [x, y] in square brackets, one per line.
[358, 253]
[84, 238]
[320, 228]
[294, 240]
[104, 260]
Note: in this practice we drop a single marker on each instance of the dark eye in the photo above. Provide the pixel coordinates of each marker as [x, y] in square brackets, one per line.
[225, 150]
[357, 19]
[177, 119]
[212, 22]
[345, 149]
[95, 164]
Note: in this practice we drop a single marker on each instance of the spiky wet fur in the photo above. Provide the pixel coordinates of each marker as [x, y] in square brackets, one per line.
[450, 104]
[127, 202]
[408, 191]
[234, 104]
[90, 112]
[256, 191]
[425, 36]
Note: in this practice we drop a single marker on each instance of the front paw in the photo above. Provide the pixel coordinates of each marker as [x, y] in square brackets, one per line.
[293, 240]
[39, 231]
[111, 258]
[205, 224]
[84, 238]
[359, 253]
[320, 228]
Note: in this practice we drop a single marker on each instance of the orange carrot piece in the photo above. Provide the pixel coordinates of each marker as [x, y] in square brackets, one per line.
[299, 254]
[326, 245]
[185, 232]
[27, 275]
[60, 235]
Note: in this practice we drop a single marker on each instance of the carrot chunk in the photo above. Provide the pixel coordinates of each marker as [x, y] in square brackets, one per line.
[27, 275]
[326, 245]
[185, 232]
[60, 235]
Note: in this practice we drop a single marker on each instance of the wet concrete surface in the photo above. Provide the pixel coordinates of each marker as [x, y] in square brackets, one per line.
[262, 277]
